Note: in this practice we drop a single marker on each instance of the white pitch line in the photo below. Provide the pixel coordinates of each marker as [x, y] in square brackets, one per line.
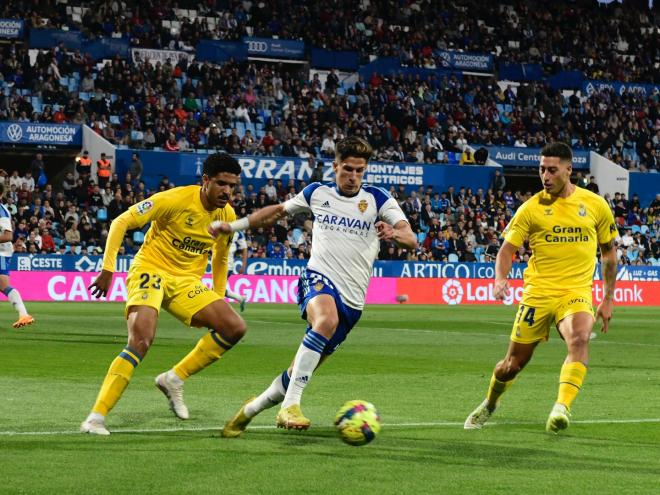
[477, 334]
[269, 427]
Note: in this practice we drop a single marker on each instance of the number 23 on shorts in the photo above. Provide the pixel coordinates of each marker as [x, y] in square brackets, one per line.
[150, 281]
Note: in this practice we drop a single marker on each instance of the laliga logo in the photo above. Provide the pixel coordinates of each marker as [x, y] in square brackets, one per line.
[257, 46]
[14, 132]
[452, 292]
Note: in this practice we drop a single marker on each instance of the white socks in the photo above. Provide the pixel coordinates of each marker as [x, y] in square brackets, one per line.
[270, 397]
[15, 299]
[306, 360]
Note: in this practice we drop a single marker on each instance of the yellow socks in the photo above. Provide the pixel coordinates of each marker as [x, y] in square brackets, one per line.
[570, 381]
[208, 350]
[116, 380]
[496, 389]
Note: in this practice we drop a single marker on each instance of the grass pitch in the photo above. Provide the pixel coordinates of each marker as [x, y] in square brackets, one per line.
[425, 368]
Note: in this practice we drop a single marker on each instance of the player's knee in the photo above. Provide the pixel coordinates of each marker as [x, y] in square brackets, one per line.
[140, 344]
[578, 340]
[235, 330]
[507, 369]
[326, 324]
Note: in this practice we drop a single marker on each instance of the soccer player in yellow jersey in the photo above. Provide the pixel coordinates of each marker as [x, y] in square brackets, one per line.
[564, 225]
[167, 272]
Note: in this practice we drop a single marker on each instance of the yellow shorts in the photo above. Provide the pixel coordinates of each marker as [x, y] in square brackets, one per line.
[182, 297]
[536, 313]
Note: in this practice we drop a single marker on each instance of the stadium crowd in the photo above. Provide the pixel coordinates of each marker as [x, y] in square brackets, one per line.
[456, 224]
[270, 109]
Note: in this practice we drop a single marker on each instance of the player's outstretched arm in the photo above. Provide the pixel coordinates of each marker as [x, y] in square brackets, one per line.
[260, 218]
[608, 268]
[101, 284]
[503, 264]
[401, 234]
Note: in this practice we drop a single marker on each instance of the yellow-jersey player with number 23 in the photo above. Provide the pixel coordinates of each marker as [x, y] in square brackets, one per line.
[564, 226]
[166, 273]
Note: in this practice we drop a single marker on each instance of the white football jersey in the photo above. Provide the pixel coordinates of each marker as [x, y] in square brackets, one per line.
[6, 248]
[238, 243]
[344, 239]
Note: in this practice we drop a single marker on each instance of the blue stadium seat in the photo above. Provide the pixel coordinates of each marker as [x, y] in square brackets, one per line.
[636, 229]
[102, 215]
[114, 119]
[138, 237]
[84, 96]
[452, 258]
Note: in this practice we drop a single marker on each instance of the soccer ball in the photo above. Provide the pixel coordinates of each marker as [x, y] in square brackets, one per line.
[357, 422]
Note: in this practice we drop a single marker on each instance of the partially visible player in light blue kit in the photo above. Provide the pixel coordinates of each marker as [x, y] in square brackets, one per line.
[6, 252]
[350, 219]
[238, 245]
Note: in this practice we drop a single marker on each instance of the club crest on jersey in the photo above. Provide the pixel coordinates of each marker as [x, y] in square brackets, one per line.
[144, 207]
[189, 221]
[582, 211]
[548, 212]
[318, 286]
[363, 205]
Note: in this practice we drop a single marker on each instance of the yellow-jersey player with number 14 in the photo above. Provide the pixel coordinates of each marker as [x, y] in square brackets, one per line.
[166, 273]
[564, 225]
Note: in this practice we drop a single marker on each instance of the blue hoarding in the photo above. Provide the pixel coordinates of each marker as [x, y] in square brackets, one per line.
[34, 133]
[185, 168]
[263, 266]
[220, 51]
[270, 47]
[328, 59]
[48, 38]
[11, 28]
[591, 86]
[479, 62]
[530, 157]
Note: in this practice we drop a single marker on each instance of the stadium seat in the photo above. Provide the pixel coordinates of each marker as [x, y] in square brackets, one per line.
[102, 215]
[636, 229]
[138, 237]
[452, 258]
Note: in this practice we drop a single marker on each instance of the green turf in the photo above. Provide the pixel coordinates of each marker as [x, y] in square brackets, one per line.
[425, 368]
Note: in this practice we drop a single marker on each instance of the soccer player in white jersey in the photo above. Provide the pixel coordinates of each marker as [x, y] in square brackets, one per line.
[238, 245]
[349, 220]
[6, 252]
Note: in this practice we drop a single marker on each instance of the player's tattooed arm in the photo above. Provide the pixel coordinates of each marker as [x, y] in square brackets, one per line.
[608, 268]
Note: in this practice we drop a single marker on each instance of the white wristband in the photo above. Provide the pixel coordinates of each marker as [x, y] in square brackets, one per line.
[240, 224]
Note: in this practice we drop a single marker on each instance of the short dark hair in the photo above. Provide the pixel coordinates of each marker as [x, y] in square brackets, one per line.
[221, 162]
[560, 150]
[353, 146]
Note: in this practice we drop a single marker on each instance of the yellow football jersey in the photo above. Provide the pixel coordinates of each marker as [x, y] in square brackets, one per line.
[178, 240]
[563, 234]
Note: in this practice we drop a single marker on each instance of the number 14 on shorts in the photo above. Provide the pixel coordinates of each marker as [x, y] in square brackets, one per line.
[528, 311]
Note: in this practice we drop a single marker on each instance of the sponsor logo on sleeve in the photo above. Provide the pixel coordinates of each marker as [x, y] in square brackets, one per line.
[144, 207]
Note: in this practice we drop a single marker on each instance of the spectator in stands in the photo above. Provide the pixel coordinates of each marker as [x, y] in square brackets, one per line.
[104, 170]
[72, 234]
[116, 207]
[135, 169]
[498, 182]
[84, 165]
